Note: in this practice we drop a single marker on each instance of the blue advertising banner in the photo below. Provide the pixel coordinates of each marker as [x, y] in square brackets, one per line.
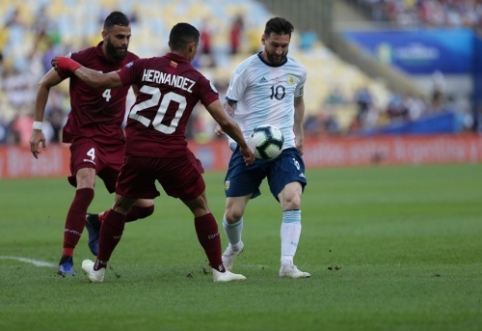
[477, 93]
[420, 52]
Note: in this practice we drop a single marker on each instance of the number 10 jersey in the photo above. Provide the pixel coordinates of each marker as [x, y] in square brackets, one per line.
[264, 94]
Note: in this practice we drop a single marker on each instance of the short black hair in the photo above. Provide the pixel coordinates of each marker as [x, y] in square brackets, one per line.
[278, 25]
[115, 18]
[181, 35]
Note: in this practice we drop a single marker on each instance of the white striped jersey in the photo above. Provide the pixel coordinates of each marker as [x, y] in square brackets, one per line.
[265, 94]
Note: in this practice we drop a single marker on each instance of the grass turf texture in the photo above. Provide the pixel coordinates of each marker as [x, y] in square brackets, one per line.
[388, 248]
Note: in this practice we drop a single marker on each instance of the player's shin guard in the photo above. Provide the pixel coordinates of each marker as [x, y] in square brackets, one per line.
[208, 235]
[75, 222]
[110, 234]
[233, 232]
[290, 235]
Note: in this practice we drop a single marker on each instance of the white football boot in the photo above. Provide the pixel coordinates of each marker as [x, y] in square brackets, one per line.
[230, 255]
[226, 276]
[291, 271]
[95, 276]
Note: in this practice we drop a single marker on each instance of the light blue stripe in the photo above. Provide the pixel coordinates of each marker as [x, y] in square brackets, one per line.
[291, 216]
[232, 226]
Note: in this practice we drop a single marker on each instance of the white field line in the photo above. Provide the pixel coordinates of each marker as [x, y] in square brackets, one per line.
[36, 263]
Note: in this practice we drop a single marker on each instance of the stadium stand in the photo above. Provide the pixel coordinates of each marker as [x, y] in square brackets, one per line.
[340, 98]
[423, 13]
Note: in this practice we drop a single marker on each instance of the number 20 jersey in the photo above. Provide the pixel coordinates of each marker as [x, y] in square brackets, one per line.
[169, 89]
[264, 94]
[96, 113]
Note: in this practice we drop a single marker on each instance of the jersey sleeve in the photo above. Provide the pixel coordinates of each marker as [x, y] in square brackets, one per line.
[237, 86]
[207, 91]
[300, 88]
[129, 73]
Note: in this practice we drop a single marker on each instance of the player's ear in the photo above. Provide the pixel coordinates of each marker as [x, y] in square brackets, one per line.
[192, 47]
[263, 39]
[104, 35]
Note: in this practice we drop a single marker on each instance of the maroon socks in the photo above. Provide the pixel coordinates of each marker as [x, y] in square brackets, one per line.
[208, 235]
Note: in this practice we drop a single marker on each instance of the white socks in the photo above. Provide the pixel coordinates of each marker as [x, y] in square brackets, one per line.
[233, 233]
[290, 235]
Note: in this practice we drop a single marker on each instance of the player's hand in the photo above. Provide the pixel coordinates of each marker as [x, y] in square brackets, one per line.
[218, 131]
[248, 155]
[299, 145]
[65, 63]
[228, 109]
[36, 139]
[54, 63]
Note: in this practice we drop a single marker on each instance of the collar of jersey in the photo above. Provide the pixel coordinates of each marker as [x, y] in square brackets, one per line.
[269, 64]
[176, 57]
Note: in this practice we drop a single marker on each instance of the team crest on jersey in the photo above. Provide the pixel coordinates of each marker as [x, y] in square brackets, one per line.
[130, 64]
[291, 80]
[227, 184]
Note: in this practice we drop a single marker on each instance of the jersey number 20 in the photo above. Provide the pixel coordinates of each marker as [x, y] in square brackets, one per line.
[161, 111]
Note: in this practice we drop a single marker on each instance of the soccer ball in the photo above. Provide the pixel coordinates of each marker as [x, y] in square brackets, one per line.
[266, 141]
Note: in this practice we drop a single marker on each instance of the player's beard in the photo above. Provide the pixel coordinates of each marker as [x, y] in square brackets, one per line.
[116, 53]
[273, 58]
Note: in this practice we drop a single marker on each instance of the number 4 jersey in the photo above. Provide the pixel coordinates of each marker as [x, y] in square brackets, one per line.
[96, 113]
[169, 89]
[264, 94]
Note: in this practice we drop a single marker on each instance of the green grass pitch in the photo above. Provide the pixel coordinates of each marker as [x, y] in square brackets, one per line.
[388, 248]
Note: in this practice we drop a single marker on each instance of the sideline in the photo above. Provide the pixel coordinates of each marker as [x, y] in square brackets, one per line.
[36, 263]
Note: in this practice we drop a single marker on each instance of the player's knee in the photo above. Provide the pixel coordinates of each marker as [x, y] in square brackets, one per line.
[291, 201]
[85, 180]
[233, 215]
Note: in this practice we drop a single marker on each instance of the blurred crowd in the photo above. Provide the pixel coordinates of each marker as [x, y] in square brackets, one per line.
[341, 113]
[27, 47]
[25, 54]
[432, 13]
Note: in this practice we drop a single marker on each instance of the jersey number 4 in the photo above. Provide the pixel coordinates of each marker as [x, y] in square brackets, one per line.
[161, 111]
[107, 95]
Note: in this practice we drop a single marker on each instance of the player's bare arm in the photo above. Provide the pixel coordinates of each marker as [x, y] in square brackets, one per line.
[231, 128]
[229, 107]
[299, 104]
[92, 77]
[37, 138]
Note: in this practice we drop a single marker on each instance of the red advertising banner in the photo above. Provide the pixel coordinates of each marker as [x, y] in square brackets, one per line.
[16, 162]
[392, 150]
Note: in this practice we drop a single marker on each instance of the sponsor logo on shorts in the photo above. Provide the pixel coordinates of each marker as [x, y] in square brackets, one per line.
[227, 184]
[302, 175]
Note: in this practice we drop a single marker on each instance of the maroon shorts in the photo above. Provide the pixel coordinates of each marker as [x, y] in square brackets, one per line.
[105, 159]
[181, 177]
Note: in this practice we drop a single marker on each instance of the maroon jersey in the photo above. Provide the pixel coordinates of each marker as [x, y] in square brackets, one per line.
[96, 113]
[169, 88]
